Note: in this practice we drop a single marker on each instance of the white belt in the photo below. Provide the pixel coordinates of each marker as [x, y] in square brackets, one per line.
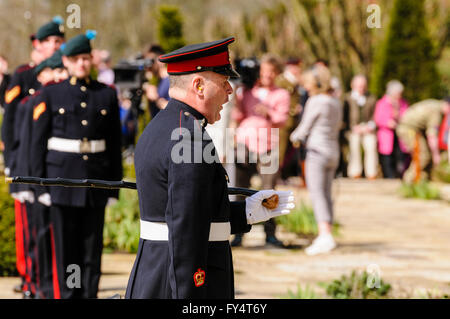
[160, 231]
[76, 146]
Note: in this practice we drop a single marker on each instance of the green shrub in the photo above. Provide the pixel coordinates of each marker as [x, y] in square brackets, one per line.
[302, 222]
[356, 287]
[170, 28]
[407, 54]
[441, 172]
[301, 293]
[421, 190]
[121, 231]
[7, 233]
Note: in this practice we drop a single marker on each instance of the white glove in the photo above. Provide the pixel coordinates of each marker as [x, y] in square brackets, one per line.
[7, 171]
[256, 212]
[45, 199]
[25, 196]
[111, 201]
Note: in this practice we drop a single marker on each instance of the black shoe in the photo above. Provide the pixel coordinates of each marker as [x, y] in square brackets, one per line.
[237, 241]
[273, 241]
[18, 288]
[27, 295]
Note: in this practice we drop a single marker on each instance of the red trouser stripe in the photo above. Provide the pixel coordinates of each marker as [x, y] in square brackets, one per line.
[27, 250]
[56, 292]
[20, 249]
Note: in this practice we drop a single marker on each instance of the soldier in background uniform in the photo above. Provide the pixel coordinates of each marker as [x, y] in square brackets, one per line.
[48, 72]
[186, 217]
[418, 129]
[76, 134]
[46, 41]
[4, 79]
[290, 80]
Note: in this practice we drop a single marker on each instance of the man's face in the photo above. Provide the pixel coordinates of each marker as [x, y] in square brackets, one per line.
[78, 65]
[267, 74]
[49, 45]
[3, 66]
[156, 64]
[359, 85]
[45, 76]
[60, 74]
[216, 89]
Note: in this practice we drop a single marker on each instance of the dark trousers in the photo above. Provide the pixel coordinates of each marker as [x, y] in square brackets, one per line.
[244, 171]
[43, 251]
[31, 233]
[394, 164]
[77, 234]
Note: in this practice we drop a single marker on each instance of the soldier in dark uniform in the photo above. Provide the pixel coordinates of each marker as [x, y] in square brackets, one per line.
[186, 217]
[46, 41]
[76, 134]
[38, 214]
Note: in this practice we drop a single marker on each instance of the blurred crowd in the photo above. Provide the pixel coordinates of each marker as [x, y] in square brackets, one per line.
[322, 130]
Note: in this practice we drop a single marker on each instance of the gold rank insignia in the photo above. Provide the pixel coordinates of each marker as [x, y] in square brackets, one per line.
[12, 94]
[38, 110]
[199, 277]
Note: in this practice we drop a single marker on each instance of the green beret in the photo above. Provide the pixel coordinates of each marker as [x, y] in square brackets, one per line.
[79, 44]
[41, 66]
[54, 27]
[55, 61]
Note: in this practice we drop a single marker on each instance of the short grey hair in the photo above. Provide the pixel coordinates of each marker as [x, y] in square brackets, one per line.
[179, 81]
[394, 86]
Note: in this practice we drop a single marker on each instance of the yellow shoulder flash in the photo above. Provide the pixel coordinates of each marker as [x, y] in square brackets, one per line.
[38, 110]
[12, 94]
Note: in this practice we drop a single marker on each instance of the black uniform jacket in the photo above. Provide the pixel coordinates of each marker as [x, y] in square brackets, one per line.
[23, 83]
[188, 196]
[77, 110]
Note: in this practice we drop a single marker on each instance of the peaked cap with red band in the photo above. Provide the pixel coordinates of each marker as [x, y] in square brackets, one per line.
[210, 56]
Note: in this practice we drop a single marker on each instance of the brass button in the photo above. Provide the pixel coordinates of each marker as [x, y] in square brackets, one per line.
[83, 104]
[31, 91]
[85, 157]
[83, 88]
[104, 112]
[187, 113]
[61, 111]
[84, 122]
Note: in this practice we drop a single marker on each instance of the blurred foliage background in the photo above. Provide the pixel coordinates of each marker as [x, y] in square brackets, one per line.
[331, 30]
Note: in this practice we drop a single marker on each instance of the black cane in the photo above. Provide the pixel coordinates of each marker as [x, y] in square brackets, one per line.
[98, 183]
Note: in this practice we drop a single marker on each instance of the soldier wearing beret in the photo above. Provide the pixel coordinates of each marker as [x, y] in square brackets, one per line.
[39, 246]
[186, 216]
[23, 83]
[76, 134]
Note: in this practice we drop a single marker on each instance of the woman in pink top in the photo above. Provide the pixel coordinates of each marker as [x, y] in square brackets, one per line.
[388, 111]
[260, 110]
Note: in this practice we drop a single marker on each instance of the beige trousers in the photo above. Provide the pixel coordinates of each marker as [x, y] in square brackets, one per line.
[355, 162]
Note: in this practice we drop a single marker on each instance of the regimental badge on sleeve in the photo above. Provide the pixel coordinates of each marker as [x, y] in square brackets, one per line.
[38, 110]
[199, 277]
[12, 94]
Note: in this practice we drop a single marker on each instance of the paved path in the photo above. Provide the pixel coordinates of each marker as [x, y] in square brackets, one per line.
[407, 239]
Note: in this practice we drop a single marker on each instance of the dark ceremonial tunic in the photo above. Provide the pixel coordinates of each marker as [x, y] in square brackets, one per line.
[188, 197]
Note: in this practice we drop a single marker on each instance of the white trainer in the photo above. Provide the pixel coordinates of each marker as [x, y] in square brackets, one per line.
[321, 245]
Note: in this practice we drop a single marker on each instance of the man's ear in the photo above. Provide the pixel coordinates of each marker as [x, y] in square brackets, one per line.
[198, 84]
[65, 61]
